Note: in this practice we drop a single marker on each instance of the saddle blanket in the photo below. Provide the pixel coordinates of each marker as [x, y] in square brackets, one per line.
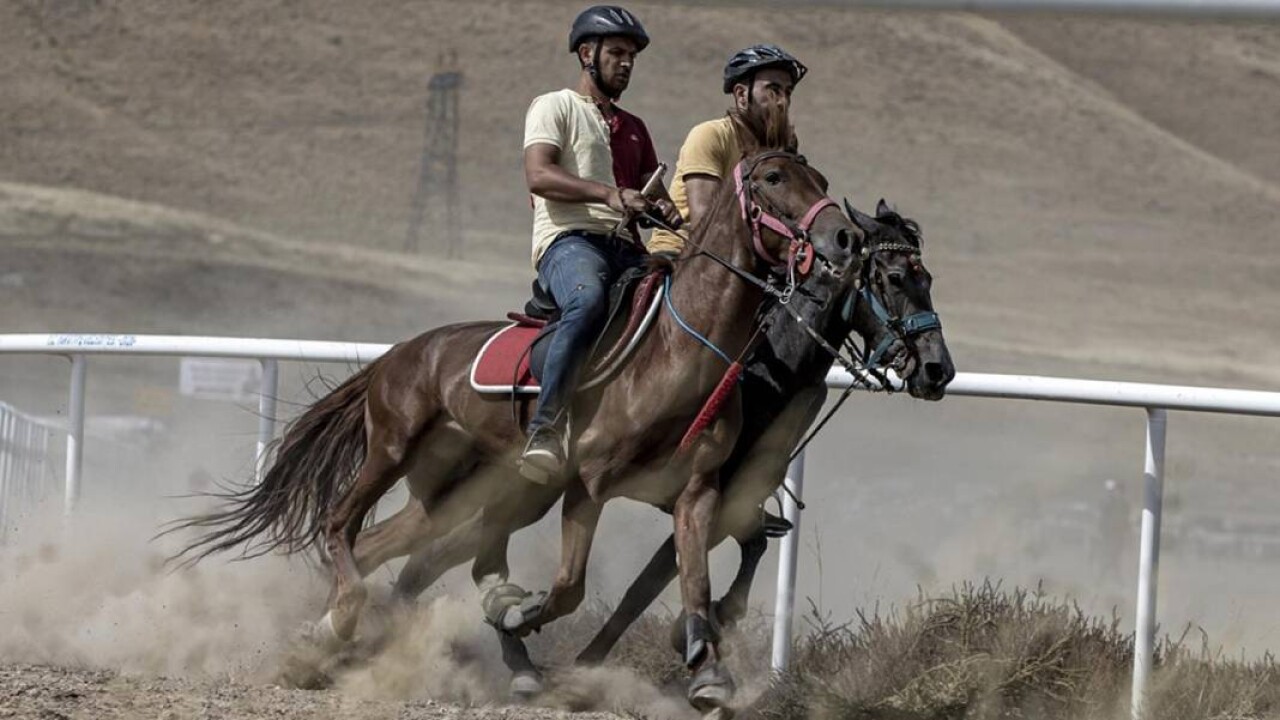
[506, 362]
[505, 359]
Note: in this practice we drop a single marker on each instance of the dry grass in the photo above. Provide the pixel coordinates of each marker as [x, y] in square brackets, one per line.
[980, 652]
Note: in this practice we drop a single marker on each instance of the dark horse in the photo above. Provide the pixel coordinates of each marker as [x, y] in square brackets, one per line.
[413, 414]
[783, 389]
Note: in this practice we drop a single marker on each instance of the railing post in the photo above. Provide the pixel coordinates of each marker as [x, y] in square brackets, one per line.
[75, 434]
[785, 601]
[1144, 636]
[6, 489]
[266, 413]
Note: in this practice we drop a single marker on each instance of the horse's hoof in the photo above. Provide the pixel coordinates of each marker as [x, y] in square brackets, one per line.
[526, 685]
[712, 688]
[302, 674]
[320, 635]
[344, 613]
[512, 609]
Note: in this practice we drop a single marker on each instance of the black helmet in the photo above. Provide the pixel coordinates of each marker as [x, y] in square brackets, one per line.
[748, 61]
[602, 20]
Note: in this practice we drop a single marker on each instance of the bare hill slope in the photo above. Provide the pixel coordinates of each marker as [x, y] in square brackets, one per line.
[1092, 192]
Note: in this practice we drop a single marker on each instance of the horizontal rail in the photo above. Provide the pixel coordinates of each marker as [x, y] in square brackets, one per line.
[182, 345]
[989, 385]
[1103, 392]
[1190, 8]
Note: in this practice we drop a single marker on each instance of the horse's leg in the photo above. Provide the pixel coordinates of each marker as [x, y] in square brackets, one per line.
[490, 572]
[695, 515]
[646, 588]
[728, 610]
[382, 467]
[579, 517]
[733, 606]
[390, 538]
[431, 560]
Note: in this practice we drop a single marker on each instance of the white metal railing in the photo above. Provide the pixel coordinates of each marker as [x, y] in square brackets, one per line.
[24, 468]
[1156, 400]
[1190, 8]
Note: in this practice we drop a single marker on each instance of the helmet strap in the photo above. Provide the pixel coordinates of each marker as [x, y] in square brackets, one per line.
[594, 69]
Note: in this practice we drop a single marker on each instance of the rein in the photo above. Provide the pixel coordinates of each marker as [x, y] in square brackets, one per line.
[899, 329]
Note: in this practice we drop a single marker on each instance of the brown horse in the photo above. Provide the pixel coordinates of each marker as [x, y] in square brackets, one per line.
[413, 414]
[782, 390]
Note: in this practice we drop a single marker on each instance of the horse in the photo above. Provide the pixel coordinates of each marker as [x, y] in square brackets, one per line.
[783, 390]
[656, 431]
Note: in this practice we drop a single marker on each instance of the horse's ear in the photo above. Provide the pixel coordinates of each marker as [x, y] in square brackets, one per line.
[864, 222]
[882, 209]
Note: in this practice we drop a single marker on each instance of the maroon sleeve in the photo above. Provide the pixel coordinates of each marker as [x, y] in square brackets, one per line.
[648, 156]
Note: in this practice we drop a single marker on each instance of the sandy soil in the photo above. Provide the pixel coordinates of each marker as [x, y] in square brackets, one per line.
[53, 693]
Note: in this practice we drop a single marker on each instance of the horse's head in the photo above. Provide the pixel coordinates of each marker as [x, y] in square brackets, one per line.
[893, 309]
[794, 226]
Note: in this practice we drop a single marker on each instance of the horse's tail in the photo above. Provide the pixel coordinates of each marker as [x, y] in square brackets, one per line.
[315, 462]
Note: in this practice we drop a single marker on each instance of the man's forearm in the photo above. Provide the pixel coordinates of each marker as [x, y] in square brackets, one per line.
[554, 183]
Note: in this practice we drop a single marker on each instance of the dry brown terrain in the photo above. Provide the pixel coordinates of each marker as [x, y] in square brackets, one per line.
[1100, 198]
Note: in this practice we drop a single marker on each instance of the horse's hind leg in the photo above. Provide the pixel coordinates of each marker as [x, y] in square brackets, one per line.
[431, 560]
[381, 469]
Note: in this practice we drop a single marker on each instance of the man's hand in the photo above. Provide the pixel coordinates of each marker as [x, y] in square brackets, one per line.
[666, 210]
[628, 201]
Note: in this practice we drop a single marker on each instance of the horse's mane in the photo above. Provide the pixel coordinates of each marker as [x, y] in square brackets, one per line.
[909, 228]
[763, 127]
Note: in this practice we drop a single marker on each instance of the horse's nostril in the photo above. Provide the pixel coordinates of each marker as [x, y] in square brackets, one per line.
[843, 239]
[933, 371]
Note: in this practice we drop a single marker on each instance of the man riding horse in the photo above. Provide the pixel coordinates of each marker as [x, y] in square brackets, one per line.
[760, 78]
[585, 159]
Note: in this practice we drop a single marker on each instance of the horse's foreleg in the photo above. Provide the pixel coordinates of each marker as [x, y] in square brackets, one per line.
[646, 588]
[579, 517]
[733, 606]
[490, 573]
[695, 515]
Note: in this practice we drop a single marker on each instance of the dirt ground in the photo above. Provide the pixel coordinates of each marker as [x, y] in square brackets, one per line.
[1100, 198]
[52, 693]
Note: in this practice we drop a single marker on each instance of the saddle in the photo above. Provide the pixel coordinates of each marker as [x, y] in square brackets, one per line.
[512, 359]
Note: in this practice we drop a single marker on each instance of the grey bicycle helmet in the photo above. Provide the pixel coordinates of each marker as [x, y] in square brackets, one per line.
[749, 61]
[604, 20]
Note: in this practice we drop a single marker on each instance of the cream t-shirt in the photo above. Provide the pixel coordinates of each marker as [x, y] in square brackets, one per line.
[572, 123]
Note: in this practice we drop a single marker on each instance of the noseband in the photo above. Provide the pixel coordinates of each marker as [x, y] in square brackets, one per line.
[800, 252]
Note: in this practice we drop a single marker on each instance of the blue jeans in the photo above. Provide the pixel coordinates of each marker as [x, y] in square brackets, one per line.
[578, 270]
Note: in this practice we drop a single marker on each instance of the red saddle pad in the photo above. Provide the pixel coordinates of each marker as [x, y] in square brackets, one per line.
[504, 359]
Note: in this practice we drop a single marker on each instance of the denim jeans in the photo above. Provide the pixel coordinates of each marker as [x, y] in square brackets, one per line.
[578, 270]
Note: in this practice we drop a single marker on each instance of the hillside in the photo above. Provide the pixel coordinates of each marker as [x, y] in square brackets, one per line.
[1078, 205]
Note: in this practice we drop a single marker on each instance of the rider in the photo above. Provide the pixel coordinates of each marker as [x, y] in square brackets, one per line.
[758, 77]
[585, 159]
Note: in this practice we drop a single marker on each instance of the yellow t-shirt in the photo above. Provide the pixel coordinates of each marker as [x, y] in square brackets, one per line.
[572, 123]
[711, 149]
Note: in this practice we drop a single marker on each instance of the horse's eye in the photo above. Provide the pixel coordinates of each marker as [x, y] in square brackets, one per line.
[773, 177]
[897, 278]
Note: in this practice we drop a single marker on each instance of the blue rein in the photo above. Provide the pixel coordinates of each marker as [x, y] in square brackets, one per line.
[685, 326]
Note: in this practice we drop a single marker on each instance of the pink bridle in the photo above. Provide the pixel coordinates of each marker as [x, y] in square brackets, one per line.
[800, 253]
